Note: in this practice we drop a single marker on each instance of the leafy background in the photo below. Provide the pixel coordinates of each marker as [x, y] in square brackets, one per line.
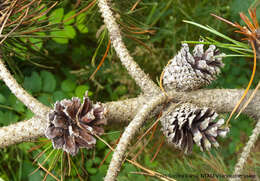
[58, 65]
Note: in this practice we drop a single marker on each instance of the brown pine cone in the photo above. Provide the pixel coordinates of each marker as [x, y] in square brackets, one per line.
[72, 124]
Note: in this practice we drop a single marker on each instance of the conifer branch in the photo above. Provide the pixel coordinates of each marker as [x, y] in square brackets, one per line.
[33, 104]
[142, 79]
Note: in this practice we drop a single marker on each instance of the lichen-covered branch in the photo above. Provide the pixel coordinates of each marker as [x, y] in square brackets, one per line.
[246, 151]
[221, 100]
[130, 131]
[22, 131]
[33, 104]
[142, 80]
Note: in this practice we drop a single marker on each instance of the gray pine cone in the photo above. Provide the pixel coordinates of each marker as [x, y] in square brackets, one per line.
[187, 72]
[72, 124]
[188, 124]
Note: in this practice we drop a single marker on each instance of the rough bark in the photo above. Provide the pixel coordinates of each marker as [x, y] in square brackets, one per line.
[22, 131]
[221, 100]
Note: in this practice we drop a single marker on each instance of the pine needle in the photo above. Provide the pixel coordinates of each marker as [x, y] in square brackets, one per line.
[102, 60]
[136, 3]
[248, 86]
[249, 100]
[42, 167]
[158, 149]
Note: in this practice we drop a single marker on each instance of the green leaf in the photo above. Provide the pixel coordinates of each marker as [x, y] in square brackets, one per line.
[2, 99]
[27, 168]
[35, 176]
[92, 170]
[82, 28]
[33, 83]
[81, 18]
[56, 16]
[67, 16]
[29, 114]
[45, 99]
[80, 23]
[62, 36]
[96, 160]
[68, 85]
[2, 119]
[59, 95]
[70, 31]
[100, 145]
[89, 163]
[49, 81]
[80, 90]
[10, 117]
[19, 106]
[36, 42]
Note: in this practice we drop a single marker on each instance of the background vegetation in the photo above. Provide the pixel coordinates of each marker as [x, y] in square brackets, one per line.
[58, 64]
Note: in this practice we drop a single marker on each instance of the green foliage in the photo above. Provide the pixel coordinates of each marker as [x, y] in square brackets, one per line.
[33, 83]
[49, 81]
[68, 85]
[80, 23]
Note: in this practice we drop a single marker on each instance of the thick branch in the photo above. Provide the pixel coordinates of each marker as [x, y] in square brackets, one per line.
[34, 105]
[130, 131]
[221, 100]
[142, 80]
[22, 131]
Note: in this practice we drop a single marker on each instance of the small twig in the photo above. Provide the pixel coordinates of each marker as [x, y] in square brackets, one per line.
[132, 128]
[244, 155]
[33, 104]
[142, 80]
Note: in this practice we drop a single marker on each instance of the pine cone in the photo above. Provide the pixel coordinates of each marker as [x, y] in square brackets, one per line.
[72, 124]
[188, 124]
[187, 72]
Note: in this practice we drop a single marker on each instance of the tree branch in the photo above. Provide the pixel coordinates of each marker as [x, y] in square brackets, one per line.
[221, 100]
[142, 80]
[246, 150]
[132, 128]
[33, 104]
[22, 131]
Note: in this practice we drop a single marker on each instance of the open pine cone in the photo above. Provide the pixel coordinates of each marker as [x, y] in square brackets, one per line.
[187, 72]
[188, 124]
[73, 124]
